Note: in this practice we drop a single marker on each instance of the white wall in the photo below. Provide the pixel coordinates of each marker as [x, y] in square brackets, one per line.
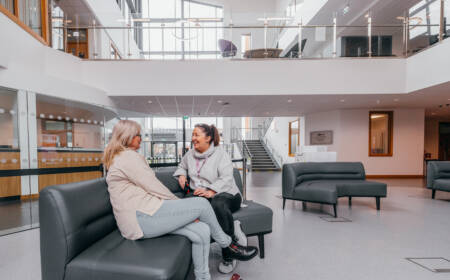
[351, 133]
[324, 121]
[34, 67]
[277, 136]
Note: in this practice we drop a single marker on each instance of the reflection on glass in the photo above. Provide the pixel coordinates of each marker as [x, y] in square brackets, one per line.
[380, 133]
[30, 14]
[294, 137]
[8, 4]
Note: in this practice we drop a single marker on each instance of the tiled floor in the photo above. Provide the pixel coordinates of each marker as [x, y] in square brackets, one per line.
[18, 214]
[374, 245]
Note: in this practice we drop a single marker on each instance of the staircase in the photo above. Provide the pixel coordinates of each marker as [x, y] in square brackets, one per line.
[260, 157]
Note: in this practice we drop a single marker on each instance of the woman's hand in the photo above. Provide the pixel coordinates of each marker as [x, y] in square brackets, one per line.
[204, 192]
[182, 181]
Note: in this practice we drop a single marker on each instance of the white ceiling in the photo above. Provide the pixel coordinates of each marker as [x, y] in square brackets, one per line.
[279, 105]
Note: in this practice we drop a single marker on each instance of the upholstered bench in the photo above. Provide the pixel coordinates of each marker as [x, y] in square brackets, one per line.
[325, 182]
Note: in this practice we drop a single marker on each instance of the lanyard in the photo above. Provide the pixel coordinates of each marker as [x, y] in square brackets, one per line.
[197, 165]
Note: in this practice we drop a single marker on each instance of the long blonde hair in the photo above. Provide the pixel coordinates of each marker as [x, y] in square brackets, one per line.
[122, 135]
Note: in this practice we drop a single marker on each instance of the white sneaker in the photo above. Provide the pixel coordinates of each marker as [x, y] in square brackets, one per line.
[227, 267]
[239, 234]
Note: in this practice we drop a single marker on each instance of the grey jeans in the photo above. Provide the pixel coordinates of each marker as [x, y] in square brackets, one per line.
[178, 217]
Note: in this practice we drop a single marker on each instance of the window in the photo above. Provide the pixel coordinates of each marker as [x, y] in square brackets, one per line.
[31, 15]
[294, 137]
[380, 133]
[181, 29]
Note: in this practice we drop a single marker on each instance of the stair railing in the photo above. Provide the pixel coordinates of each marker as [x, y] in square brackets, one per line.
[272, 152]
[245, 151]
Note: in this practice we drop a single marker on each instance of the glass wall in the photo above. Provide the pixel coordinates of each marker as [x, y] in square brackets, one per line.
[12, 215]
[45, 141]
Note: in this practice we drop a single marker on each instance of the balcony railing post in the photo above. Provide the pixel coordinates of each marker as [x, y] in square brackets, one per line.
[94, 39]
[244, 177]
[369, 34]
[266, 23]
[162, 39]
[442, 26]
[300, 35]
[334, 35]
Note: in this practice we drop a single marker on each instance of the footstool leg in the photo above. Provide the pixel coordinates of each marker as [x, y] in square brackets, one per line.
[284, 202]
[350, 201]
[303, 205]
[335, 210]
[261, 245]
[378, 202]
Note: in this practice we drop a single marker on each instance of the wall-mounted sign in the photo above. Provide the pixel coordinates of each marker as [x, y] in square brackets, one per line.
[321, 137]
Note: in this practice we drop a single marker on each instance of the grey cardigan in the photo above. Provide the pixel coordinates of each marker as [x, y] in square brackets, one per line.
[212, 169]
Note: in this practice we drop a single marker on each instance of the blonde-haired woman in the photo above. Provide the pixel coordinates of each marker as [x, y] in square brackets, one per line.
[145, 208]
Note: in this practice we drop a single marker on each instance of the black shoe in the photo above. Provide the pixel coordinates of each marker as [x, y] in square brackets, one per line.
[238, 252]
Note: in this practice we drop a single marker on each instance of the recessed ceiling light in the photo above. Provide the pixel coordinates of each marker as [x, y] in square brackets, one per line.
[342, 100]
[219, 101]
[289, 101]
[378, 101]
[396, 99]
[149, 102]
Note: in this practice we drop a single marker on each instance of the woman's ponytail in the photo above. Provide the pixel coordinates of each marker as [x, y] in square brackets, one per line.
[215, 135]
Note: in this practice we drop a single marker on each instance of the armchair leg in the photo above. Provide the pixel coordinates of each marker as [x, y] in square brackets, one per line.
[261, 245]
[350, 201]
[335, 210]
[303, 205]
[378, 202]
[284, 202]
[433, 194]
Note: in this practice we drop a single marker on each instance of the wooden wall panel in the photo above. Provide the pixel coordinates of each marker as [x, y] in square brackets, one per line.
[65, 178]
[10, 186]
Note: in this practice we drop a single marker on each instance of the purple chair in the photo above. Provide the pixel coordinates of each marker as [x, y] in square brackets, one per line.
[227, 48]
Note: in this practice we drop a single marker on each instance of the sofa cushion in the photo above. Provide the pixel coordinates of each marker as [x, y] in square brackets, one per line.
[115, 258]
[360, 188]
[255, 218]
[316, 191]
[442, 184]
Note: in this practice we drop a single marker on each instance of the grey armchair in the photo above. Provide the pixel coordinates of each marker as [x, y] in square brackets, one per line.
[438, 176]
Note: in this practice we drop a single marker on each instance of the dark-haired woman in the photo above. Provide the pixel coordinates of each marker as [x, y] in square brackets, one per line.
[211, 176]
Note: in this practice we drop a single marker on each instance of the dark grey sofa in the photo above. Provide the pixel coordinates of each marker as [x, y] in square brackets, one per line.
[438, 176]
[80, 239]
[325, 182]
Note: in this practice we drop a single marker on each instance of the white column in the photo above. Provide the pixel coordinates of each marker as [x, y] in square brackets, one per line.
[32, 140]
[23, 140]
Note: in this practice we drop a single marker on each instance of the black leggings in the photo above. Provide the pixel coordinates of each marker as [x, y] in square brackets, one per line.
[224, 205]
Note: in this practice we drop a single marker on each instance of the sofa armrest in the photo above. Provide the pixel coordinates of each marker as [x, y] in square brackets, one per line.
[289, 180]
[431, 174]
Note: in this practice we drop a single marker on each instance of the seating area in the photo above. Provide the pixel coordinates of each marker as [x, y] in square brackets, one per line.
[84, 242]
[327, 181]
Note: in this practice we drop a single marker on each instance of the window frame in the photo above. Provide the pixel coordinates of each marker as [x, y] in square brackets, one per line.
[15, 17]
[390, 136]
[290, 135]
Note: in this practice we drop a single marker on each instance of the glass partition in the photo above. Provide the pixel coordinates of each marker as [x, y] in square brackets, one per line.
[14, 207]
